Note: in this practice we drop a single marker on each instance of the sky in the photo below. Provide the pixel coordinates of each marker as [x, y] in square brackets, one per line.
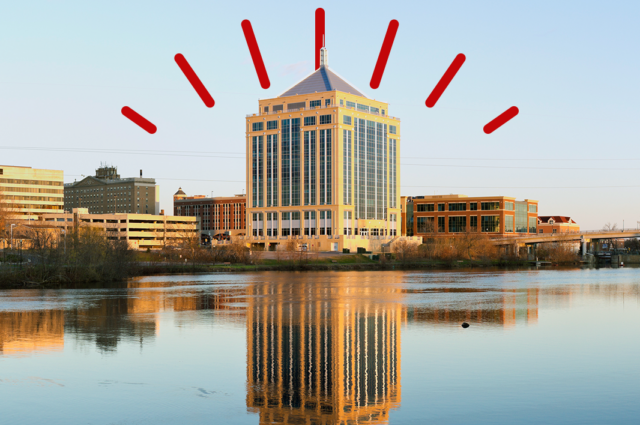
[68, 67]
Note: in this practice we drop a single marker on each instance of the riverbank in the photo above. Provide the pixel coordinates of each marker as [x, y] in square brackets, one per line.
[21, 276]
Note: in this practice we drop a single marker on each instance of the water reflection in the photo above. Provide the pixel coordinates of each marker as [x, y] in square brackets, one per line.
[31, 331]
[323, 354]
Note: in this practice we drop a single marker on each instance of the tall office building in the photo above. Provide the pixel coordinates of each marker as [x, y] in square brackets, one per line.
[323, 166]
[107, 192]
[28, 192]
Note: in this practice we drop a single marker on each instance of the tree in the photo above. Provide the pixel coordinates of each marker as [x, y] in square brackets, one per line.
[610, 227]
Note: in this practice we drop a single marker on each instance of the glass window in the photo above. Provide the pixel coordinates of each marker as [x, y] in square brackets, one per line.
[327, 102]
[363, 108]
[285, 215]
[315, 103]
[473, 206]
[533, 224]
[457, 224]
[508, 224]
[473, 223]
[383, 112]
[441, 224]
[346, 120]
[424, 207]
[258, 126]
[533, 208]
[272, 125]
[392, 129]
[490, 223]
[266, 109]
[325, 119]
[508, 206]
[341, 102]
[490, 206]
[309, 120]
[440, 207]
[425, 224]
[375, 110]
[351, 105]
[521, 217]
[457, 206]
[296, 105]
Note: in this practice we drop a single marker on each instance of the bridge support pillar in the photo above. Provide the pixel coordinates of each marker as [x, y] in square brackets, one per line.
[583, 246]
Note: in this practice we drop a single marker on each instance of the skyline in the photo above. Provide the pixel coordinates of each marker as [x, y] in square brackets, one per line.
[574, 87]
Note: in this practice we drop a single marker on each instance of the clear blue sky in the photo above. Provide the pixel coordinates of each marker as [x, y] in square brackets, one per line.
[68, 67]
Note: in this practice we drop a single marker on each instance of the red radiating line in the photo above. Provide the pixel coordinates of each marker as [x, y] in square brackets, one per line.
[501, 119]
[319, 34]
[145, 124]
[384, 54]
[255, 54]
[445, 80]
[194, 80]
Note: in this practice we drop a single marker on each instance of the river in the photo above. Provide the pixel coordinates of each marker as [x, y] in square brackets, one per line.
[543, 346]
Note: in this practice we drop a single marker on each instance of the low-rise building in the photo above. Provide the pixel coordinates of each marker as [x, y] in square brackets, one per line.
[141, 231]
[221, 216]
[107, 192]
[27, 192]
[452, 215]
[557, 224]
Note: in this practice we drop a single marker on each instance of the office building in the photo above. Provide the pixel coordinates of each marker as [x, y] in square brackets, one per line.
[27, 192]
[452, 215]
[141, 231]
[107, 192]
[557, 224]
[323, 166]
[220, 216]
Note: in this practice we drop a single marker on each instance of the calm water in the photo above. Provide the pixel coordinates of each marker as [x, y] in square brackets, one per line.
[327, 348]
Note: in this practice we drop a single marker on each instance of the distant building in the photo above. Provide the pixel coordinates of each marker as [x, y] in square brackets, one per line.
[27, 192]
[451, 215]
[141, 231]
[220, 216]
[323, 167]
[107, 192]
[557, 224]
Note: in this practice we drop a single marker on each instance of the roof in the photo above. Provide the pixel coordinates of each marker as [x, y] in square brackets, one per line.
[180, 192]
[556, 218]
[321, 80]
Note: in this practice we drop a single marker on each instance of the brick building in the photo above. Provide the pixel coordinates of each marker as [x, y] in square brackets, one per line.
[219, 216]
[557, 224]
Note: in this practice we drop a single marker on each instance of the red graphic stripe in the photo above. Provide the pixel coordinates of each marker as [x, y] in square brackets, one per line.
[145, 124]
[501, 120]
[387, 44]
[255, 54]
[194, 80]
[445, 80]
[319, 34]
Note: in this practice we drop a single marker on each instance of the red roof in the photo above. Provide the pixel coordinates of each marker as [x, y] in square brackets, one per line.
[556, 218]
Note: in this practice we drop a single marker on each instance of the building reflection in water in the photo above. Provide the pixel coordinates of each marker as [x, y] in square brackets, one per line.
[24, 332]
[323, 355]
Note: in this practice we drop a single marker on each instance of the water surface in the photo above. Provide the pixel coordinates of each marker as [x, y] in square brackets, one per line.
[544, 346]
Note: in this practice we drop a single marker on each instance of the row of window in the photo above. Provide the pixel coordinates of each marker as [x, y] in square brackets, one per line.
[473, 206]
[458, 224]
[308, 121]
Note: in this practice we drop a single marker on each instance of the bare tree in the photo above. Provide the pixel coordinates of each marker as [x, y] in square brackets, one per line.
[610, 227]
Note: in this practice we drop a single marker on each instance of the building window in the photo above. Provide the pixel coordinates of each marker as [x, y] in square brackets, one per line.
[258, 126]
[325, 119]
[277, 108]
[533, 224]
[310, 167]
[266, 109]
[392, 129]
[383, 112]
[341, 102]
[272, 125]
[521, 217]
[440, 207]
[325, 166]
[490, 206]
[508, 224]
[296, 106]
[309, 121]
[473, 223]
[533, 208]
[441, 224]
[363, 108]
[457, 206]
[508, 206]
[374, 110]
[425, 224]
[327, 102]
[457, 224]
[315, 103]
[351, 105]
[346, 120]
[473, 206]
[490, 223]
[425, 207]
